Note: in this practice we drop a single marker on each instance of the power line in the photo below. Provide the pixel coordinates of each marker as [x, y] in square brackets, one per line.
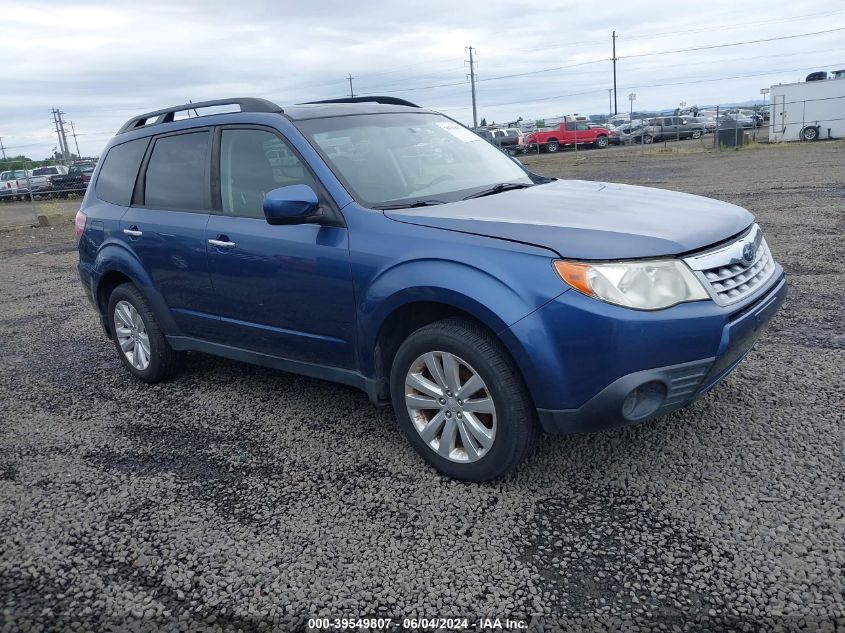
[712, 46]
[728, 27]
[660, 85]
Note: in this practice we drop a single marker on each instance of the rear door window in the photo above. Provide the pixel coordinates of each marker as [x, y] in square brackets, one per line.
[177, 173]
[116, 180]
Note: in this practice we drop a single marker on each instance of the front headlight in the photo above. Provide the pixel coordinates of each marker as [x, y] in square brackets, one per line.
[643, 285]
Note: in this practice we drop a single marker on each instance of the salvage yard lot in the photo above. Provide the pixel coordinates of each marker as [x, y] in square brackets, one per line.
[239, 497]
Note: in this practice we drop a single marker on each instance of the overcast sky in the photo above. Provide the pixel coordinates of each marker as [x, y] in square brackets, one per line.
[102, 62]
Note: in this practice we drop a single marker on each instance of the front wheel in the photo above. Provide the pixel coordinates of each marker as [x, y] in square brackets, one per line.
[696, 133]
[139, 341]
[647, 139]
[461, 402]
[601, 142]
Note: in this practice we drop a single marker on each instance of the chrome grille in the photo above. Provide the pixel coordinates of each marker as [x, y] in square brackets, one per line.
[728, 275]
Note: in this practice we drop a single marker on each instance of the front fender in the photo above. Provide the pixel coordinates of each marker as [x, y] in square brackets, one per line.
[493, 299]
[113, 256]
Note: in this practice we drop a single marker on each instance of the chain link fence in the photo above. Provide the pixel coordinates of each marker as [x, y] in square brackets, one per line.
[42, 192]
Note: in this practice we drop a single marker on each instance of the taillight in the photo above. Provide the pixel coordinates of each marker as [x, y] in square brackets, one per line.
[79, 222]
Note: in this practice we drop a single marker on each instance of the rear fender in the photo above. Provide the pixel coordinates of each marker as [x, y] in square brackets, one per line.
[113, 256]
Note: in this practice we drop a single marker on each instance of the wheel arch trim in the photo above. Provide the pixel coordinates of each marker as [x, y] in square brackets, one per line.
[115, 257]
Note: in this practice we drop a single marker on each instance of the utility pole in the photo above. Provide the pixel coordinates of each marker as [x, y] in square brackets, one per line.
[351, 92]
[2, 149]
[472, 83]
[615, 104]
[60, 131]
[73, 133]
[59, 114]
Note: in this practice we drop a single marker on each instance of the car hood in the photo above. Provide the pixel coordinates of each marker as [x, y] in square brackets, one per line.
[590, 220]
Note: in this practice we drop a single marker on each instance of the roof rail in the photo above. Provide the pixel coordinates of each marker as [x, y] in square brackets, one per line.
[372, 99]
[247, 104]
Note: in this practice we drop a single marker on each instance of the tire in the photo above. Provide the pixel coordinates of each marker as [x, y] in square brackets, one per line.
[163, 361]
[552, 147]
[648, 139]
[512, 152]
[601, 142]
[510, 431]
[809, 133]
[696, 133]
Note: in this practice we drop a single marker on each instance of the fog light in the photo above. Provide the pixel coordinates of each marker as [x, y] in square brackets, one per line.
[643, 401]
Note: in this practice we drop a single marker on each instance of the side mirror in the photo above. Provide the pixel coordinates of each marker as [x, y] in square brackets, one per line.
[296, 204]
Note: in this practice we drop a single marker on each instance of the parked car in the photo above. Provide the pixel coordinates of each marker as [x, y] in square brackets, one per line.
[13, 184]
[619, 119]
[568, 133]
[482, 301]
[672, 128]
[506, 142]
[734, 119]
[41, 178]
[708, 124]
[632, 132]
[74, 181]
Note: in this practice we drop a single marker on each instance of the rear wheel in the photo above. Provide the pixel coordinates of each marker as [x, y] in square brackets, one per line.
[647, 139]
[809, 134]
[552, 147]
[138, 338]
[461, 402]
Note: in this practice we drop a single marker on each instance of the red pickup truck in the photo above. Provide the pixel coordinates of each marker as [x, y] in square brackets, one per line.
[568, 133]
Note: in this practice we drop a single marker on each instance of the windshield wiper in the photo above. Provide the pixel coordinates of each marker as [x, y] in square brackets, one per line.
[412, 205]
[502, 186]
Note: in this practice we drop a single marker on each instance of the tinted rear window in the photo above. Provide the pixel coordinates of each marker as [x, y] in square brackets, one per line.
[45, 171]
[176, 174]
[120, 168]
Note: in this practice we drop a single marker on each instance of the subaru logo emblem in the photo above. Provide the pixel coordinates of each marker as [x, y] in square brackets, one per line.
[748, 253]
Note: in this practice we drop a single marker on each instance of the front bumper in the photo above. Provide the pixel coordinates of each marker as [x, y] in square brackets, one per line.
[703, 343]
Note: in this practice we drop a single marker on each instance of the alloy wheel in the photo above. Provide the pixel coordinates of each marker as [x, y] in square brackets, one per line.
[450, 406]
[132, 335]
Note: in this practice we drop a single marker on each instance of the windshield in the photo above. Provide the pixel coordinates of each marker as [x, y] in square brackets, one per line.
[390, 159]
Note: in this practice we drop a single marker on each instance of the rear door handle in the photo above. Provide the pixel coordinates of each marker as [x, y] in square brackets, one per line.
[133, 232]
[222, 243]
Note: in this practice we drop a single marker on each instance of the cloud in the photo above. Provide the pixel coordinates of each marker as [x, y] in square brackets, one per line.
[102, 62]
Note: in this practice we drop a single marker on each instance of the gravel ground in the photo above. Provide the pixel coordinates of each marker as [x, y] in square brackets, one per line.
[236, 497]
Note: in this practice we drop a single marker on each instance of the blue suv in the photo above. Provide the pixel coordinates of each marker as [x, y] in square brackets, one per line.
[374, 243]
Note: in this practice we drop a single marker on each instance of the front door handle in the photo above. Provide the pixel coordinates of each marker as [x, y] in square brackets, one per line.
[223, 243]
[133, 232]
